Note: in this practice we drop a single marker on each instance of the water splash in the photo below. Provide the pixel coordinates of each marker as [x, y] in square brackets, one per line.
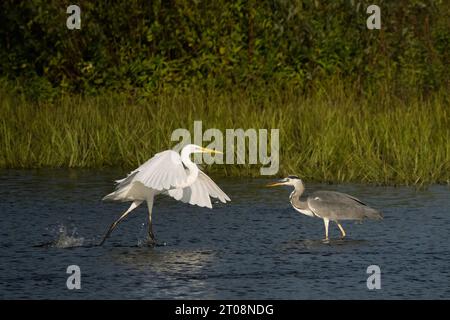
[64, 239]
[143, 241]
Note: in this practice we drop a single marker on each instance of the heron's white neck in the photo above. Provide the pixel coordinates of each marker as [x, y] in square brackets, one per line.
[298, 204]
[192, 168]
[299, 189]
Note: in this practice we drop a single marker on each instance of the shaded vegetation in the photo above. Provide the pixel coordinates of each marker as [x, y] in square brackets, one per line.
[331, 135]
[351, 104]
[146, 45]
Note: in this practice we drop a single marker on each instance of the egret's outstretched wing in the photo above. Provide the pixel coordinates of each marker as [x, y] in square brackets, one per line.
[212, 187]
[199, 192]
[340, 206]
[163, 171]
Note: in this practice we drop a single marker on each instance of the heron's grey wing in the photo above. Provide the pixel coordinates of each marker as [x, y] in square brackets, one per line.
[199, 192]
[161, 172]
[340, 206]
[338, 197]
[339, 194]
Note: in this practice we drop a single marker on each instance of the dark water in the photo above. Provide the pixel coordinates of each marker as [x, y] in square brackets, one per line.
[257, 246]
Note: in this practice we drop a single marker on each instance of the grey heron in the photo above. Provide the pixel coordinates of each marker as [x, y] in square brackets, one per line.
[169, 173]
[328, 205]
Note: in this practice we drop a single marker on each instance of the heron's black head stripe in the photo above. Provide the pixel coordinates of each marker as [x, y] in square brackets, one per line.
[293, 177]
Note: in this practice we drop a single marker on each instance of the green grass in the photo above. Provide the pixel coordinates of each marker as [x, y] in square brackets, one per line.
[329, 135]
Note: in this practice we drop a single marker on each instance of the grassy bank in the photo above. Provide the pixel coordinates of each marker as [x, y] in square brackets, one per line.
[329, 135]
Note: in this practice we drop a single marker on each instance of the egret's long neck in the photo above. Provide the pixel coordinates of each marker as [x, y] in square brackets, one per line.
[192, 169]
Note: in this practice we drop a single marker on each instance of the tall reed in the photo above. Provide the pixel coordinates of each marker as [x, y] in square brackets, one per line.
[330, 135]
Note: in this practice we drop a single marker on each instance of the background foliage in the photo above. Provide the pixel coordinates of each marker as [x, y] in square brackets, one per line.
[333, 136]
[141, 45]
[351, 104]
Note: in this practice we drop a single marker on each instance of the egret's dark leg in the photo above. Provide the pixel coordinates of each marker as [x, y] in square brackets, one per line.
[133, 206]
[151, 235]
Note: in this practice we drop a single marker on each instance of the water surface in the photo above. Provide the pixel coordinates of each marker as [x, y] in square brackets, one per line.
[256, 247]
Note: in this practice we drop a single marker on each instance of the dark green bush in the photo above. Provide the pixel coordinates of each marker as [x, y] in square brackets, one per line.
[148, 45]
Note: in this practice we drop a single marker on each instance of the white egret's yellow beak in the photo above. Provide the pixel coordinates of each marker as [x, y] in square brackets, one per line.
[275, 184]
[206, 150]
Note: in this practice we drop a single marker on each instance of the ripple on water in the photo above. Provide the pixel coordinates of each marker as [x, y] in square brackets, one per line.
[255, 247]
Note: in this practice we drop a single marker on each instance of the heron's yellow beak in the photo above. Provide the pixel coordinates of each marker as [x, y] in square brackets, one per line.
[206, 150]
[275, 184]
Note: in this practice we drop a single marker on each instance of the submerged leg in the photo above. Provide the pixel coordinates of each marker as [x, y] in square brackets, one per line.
[326, 222]
[133, 206]
[151, 235]
[340, 228]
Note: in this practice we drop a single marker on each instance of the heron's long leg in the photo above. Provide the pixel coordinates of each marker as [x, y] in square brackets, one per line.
[133, 206]
[326, 222]
[151, 235]
[342, 229]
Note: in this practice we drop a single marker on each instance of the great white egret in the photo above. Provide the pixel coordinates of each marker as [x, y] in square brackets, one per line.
[168, 173]
[328, 205]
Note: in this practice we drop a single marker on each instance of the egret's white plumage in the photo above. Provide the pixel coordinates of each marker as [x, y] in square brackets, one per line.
[168, 173]
[199, 192]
